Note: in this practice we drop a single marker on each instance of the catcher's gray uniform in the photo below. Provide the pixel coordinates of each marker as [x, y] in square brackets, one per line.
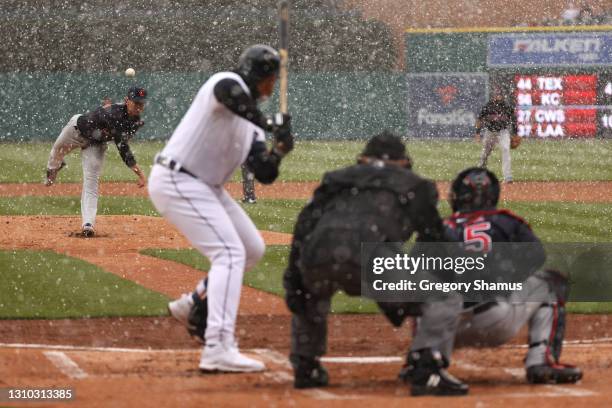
[540, 303]
[493, 324]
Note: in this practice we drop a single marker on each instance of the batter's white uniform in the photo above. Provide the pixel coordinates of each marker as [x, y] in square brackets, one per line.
[211, 142]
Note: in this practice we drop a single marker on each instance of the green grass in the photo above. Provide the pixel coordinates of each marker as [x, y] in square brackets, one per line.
[560, 221]
[269, 215]
[567, 222]
[43, 284]
[590, 307]
[266, 276]
[552, 221]
[438, 160]
[26, 162]
[68, 205]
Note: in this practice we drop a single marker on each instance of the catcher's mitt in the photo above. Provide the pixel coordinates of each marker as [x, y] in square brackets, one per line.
[515, 141]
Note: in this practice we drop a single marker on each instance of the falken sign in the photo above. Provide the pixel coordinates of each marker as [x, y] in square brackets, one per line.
[444, 105]
[558, 49]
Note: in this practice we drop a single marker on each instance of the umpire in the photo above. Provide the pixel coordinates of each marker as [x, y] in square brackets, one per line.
[377, 200]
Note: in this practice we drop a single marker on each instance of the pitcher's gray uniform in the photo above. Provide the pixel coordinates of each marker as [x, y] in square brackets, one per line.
[91, 132]
[222, 129]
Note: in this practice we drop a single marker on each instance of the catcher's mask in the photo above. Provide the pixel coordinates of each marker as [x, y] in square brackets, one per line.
[474, 189]
[257, 63]
[385, 148]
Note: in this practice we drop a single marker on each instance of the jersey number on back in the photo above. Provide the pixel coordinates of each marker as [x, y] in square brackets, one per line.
[476, 238]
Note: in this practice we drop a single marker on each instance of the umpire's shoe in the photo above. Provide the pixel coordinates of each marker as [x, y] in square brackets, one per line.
[425, 371]
[309, 373]
[553, 374]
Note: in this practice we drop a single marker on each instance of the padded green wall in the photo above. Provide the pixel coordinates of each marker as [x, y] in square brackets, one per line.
[329, 105]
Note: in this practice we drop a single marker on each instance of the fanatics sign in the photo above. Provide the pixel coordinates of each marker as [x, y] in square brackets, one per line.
[444, 105]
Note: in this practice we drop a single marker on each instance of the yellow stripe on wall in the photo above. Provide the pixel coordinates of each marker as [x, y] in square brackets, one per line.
[507, 29]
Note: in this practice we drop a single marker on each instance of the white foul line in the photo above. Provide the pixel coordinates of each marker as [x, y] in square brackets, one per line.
[279, 376]
[572, 392]
[88, 348]
[569, 343]
[273, 356]
[554, 391]
[68, 367]
[65, 364]
[361, 360]
[320, 394]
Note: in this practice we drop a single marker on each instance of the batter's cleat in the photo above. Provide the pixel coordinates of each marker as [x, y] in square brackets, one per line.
[227, 358]
[88, 230]
[308, 373]
[52, 174]
[249, 200]
[553, 374]
[426, 373]
[179, 309]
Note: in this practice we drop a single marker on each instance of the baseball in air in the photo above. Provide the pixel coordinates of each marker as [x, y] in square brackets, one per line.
[130, 72]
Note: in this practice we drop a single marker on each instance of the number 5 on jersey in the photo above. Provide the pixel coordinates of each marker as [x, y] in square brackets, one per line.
[476, 239]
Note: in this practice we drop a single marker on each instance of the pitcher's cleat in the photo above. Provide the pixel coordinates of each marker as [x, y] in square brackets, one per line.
[88, 230]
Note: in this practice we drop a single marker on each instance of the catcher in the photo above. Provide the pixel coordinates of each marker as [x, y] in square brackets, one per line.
[379, 199]
[499, 122]
[473, 198]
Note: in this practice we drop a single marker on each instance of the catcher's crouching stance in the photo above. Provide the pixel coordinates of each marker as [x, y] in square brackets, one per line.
[377, 200]
[474, 196]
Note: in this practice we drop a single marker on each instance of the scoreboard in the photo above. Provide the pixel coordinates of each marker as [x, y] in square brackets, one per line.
[577, 105]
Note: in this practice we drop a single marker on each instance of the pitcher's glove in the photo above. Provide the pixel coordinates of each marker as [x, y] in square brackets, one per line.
[281, 130]
[515, 141]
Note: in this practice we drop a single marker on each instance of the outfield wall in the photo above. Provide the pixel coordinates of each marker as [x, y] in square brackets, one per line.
[330, 105]
[451, 72]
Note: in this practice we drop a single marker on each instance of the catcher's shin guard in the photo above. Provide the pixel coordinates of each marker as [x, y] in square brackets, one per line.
[560, 287]
[552, 371]
[425, 371]
[308, 372]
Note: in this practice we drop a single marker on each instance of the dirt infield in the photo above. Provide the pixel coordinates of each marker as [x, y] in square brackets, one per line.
[152, 362]
[573, 191]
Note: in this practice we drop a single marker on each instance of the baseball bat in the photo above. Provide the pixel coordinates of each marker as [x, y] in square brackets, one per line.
[283, 12]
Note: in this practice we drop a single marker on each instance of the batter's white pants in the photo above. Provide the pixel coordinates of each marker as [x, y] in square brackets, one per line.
[489, 141]
[220, 230]
[92, 158]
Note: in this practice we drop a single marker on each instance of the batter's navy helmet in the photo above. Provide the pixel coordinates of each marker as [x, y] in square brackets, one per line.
[474, 189]
[258, 62]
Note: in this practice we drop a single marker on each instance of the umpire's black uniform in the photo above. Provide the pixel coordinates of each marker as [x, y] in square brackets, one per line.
[377, 200]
